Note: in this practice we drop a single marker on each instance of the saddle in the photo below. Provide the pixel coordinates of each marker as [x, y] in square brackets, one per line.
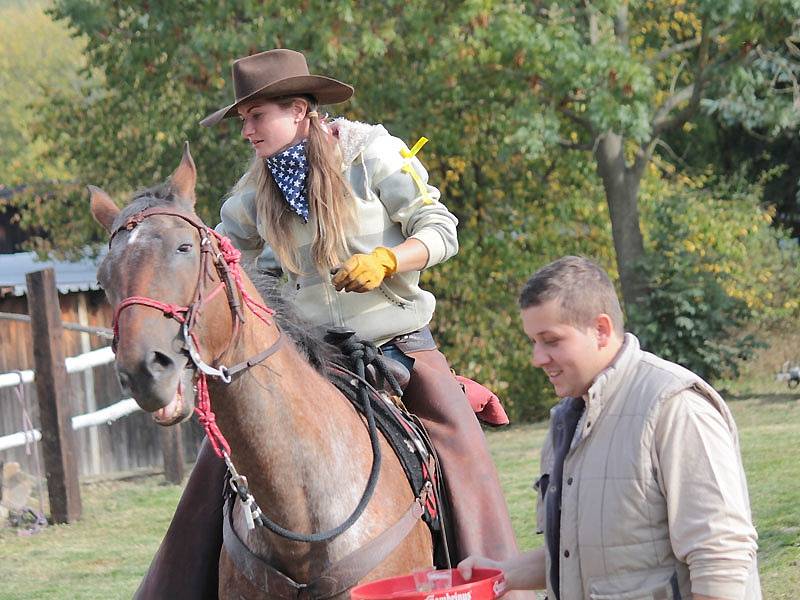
[386, 379]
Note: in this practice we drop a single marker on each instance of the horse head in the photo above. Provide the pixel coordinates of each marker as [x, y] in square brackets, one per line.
[158, 277]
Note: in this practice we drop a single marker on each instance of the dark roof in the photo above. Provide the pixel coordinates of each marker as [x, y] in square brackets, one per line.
[71, 276]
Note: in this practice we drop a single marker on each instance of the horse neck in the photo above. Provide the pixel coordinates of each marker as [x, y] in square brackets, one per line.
[291, 432]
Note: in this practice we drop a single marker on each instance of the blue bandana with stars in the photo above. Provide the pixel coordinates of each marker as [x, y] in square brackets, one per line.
[289, 170]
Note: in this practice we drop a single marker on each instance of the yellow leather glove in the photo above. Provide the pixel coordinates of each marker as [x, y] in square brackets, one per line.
[365, 272]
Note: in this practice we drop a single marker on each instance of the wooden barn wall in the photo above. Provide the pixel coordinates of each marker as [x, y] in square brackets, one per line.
[129, 443]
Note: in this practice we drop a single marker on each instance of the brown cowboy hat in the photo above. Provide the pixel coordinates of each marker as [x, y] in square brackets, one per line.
[276, 73]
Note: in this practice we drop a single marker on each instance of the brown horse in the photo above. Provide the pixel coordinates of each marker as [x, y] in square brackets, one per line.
[304, 449]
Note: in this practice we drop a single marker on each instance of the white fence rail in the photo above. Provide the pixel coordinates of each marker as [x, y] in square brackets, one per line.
[106, 415]
[74, 364]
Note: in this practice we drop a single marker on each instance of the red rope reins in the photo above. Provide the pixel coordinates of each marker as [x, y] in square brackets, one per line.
[208, 419]
[231, 257]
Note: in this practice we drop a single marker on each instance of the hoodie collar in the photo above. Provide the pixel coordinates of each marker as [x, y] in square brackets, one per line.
[353, 137]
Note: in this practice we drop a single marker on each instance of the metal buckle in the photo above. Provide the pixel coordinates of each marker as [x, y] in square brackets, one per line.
[221, 373]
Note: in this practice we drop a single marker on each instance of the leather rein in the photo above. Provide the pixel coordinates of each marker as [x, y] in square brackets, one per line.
[338, 577]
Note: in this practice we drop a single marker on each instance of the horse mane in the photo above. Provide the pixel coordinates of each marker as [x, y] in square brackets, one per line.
[159, 194]
[162, 194]
[308, 338]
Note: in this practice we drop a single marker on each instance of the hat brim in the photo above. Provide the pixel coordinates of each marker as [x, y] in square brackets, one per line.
[324, 89]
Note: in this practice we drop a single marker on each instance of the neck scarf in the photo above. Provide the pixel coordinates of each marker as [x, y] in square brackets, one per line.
[290, 170]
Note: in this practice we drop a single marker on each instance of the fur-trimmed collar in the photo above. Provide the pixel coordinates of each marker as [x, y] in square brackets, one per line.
[354, 136]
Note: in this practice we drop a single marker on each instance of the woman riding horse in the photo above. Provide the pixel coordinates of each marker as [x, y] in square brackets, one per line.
[345, 211]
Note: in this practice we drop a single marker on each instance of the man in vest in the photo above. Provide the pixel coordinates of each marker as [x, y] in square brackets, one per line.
[642, 493]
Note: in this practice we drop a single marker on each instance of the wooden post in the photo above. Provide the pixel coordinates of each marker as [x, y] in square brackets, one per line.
[172, 448]
[52, 389]
[88, 386]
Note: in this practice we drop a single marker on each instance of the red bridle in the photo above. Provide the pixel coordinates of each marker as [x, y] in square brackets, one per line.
[226, 260]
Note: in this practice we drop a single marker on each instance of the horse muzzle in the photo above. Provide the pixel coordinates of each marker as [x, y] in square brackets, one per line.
[181, 407]
[161, 384]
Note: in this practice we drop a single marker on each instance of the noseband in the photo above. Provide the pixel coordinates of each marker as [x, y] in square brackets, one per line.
[226, 261]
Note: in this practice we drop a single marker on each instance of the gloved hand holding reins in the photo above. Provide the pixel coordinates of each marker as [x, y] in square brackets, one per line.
[365, 272]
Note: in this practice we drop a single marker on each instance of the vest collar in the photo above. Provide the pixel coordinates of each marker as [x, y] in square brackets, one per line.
[353, 137]
[607, 383]
[609, 379]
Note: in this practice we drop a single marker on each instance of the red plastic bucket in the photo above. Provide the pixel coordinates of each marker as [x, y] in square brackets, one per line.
[486, 584]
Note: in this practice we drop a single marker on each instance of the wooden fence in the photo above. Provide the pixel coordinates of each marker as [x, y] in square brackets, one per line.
[128, 444]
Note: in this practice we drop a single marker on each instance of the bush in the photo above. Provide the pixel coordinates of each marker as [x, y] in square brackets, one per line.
[516, 223]
[690, 319]
[716, 272]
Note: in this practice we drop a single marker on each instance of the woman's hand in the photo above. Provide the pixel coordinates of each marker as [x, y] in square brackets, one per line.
[365, 272]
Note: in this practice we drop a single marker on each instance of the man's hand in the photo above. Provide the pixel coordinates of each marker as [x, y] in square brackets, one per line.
[365, 272]
[522, 572]
[476, 562]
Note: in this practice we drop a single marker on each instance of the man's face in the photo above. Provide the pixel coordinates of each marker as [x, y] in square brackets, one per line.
[570, 357]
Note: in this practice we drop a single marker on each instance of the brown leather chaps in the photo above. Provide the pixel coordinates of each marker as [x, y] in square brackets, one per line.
[185, 566]
[478, 510]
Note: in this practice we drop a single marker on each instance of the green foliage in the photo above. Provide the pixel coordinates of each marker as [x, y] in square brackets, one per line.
[688, 318]
[498, 86]
[37, 58]
[602, 73]
[715, 268]
[547, 76]
[530, 220]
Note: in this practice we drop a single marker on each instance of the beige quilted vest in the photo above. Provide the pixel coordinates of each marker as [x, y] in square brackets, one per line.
[617, 535]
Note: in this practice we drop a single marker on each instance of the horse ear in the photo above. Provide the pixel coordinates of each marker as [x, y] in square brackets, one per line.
[185, 176]
[103, 208]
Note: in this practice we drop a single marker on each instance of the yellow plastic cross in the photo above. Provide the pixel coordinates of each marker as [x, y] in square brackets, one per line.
[407, 168]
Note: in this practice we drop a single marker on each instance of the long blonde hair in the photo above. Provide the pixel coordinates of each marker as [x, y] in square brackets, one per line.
[330, 202]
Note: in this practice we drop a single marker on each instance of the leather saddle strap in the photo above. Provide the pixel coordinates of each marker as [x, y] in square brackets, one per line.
[347, 572]
[262, 575]
[337, 578]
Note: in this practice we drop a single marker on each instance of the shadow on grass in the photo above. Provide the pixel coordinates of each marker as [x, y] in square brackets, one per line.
[768, 398]
[774, 540]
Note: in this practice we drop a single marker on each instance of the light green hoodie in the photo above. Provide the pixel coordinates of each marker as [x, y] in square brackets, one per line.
[390, 208]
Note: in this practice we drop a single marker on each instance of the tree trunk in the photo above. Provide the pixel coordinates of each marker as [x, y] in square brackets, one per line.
[621, 184]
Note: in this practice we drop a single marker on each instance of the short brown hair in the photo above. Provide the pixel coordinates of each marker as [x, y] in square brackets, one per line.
[582, 288]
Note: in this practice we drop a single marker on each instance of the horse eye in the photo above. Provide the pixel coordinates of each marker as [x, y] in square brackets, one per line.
[184, 248]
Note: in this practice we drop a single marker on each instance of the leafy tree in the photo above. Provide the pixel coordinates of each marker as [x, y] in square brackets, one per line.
[613, 77]
[499, 87]
[37, 56]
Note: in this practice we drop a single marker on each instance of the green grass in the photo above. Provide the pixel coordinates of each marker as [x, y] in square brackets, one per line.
[105, 554]
[102, 556]
[769, 428]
